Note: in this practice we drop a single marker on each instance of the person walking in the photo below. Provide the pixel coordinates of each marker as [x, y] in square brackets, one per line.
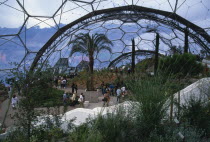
[14, 101]
[64, 98]
[102, 88]
[123, 91]
[59, 83]
[118, 95]
[75, 87]
[81, 100]
[56, 82]
[72, 87]
[111, 87]
[106, 99]
[64, 83]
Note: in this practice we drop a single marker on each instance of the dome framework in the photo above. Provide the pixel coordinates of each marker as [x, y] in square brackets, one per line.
[121, 22]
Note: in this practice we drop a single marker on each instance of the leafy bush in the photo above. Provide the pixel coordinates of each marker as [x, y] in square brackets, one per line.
[184, 64]
[38, 134]
[112, 127]
[144, 64]
[171, 134]
[85, 133]
[50, 97]
[197, 112]
[151, 94]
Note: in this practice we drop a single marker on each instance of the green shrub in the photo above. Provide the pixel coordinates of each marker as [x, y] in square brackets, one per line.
[85, 133]
[197, 112]
[185, 64]
[170, 134]
[151, 94]
[112, 127]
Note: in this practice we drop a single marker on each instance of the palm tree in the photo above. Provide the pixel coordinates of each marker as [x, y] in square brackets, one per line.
[90, 45]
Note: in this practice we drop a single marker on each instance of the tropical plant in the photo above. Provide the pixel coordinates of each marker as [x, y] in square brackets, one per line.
[90, 45]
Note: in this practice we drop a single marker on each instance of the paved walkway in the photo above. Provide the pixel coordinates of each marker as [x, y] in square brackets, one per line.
[91, 96]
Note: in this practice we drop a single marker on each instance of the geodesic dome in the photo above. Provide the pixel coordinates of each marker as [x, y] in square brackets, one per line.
[37, 31]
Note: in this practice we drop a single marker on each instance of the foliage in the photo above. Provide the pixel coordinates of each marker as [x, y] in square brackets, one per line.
[50, 97]
[85, 133]
[112, 127]
[34, 89]
[39, 134]
[144, 64]
[90, 45]
[99, 76]
[2, 86]
[170, 134]
[3, 89]
[151, 94]
[115, 127]
[185, 64]
[176, 50]
[145, 120]
[197, 112]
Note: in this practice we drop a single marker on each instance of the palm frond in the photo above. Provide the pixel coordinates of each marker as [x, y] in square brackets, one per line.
[104, 47]
[76, 49]
[89, 44]
[101, 39]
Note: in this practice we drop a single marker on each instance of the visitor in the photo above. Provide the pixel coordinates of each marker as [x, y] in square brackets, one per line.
[74, 96]
[64, 98]
[14, 101]
[102, 88]
[118, 94]
[106, 99]
[72, 87]
[59, 83]
[81, 100]
[129, 70]
[73, 99]
[75, 87]
[111, 88]
[56, 82]
[83, 97]
[123, 91]
[107, 89]
[64, 83]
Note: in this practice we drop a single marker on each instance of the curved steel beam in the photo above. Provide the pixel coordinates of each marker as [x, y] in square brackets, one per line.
[137, 52]
[134, 8]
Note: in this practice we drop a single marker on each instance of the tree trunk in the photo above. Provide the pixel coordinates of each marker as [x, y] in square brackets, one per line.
[133, 56]
[90, 86]
[156, 53]
[186, 44]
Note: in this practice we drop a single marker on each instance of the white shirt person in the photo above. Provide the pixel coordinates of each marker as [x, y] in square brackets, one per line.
[14, 101]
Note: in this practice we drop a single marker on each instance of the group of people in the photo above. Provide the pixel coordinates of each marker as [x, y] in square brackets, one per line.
[107, 87]
[112, 90]
[73, 99]
[60, 82]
